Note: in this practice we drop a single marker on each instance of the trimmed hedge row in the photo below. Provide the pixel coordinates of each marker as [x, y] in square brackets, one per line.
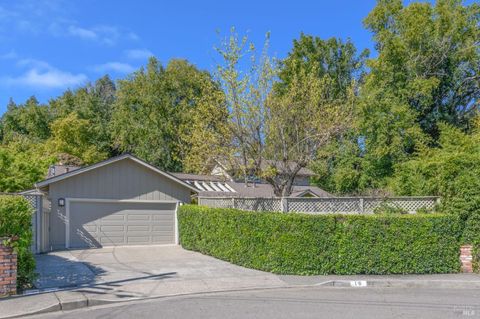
[16, 220]
[324, 244]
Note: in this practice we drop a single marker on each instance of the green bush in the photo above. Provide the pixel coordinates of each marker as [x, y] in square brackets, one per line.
[324, 244]
[15, 220]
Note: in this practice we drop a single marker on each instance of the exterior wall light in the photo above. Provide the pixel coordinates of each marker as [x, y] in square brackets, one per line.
[61, 202]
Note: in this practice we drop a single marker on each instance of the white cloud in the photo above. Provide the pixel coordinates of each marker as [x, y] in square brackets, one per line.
[8, 55]
[105, 34]
[118, 67]
[138, 54]
[82, 33]
[44, 76]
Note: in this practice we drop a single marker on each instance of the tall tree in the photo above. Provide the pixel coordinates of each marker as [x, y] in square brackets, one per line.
[332, 58]
[246, 95]
[275, 133]
[31, 120]
[94, 103]
[302, 120]
[427, 71]
[74, 136]
[340, 68]
[152, 104]
[22, 163]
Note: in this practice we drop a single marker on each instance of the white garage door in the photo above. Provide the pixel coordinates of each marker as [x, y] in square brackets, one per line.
[100, 224]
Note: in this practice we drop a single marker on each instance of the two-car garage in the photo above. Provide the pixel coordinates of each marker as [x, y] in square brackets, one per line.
[110, 223]
[117, 202]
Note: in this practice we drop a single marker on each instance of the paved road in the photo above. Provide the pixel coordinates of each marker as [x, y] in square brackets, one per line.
[318, 302]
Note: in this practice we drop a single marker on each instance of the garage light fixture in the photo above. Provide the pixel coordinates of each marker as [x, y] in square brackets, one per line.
[61, 202]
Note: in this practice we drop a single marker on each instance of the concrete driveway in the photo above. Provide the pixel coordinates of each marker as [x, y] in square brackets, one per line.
[145, 271]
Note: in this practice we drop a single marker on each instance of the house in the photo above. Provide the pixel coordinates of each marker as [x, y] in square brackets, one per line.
[119, 201]
[126, 201]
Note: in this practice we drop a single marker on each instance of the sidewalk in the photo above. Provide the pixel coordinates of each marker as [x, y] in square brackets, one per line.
[113, 292]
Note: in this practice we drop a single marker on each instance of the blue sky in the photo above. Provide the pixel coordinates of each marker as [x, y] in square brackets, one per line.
[49, 46]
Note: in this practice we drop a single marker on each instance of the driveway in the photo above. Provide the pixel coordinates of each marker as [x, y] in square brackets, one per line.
[145, 271]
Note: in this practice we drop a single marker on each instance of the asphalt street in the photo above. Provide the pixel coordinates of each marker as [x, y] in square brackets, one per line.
[312, 302]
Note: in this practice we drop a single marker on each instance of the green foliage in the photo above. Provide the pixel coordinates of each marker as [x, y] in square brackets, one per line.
[15, 220]
[152, 105]
[22, 163]
[76, 137]
[451, 171]
[324, 244]
[28, 120]
[94, 103]
[332, 59]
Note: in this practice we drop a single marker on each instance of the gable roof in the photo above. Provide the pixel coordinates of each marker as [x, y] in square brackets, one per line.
[111, 160]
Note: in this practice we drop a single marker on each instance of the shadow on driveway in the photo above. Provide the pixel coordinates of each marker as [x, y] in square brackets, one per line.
[55, 271]
[62, 270]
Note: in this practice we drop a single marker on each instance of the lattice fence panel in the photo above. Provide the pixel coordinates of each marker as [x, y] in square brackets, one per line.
[324, 205]
[409, 204]
[33, 200]
[216, 202]
[332, 205]
[259, 204]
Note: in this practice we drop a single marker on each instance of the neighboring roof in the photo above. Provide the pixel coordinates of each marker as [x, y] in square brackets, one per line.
[55, 170]
[265, 163]
[213, 186]
[186, 177]
[110, 161]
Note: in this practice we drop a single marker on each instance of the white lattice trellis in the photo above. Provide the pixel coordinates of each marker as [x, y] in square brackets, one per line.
[324, 205]
[331, 205]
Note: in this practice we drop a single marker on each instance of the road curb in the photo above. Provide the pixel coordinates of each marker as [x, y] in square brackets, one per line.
[402, 284]
[68, 301]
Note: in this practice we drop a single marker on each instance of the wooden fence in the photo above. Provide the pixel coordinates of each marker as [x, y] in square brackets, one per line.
[339, 205]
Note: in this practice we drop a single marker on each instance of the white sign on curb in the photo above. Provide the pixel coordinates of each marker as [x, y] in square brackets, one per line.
[360, 283]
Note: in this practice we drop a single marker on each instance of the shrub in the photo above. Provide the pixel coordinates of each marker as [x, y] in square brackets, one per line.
[15, 220]
[324, 244]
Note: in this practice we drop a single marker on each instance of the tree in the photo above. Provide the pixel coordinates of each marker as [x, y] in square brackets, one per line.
[426, 72]
[332, 58]
[22, 163]
[205, 139]
[302, 120]
[93, 102]
[74, 136]
[30, 120]
[276, 133]
[451, 170]
[246, 96]
[152, 105]
[341, 68]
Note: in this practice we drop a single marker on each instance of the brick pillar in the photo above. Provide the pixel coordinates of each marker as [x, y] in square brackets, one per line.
[8, 270]
[466, 258]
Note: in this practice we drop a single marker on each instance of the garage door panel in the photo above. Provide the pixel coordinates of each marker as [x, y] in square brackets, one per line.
[119, 218]
[132, 228]
[162, 217]
[157, 228]
[118, 228]
[106, 240]
[132, 217]
[96, 224]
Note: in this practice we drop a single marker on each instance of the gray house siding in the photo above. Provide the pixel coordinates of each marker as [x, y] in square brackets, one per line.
[122, 180]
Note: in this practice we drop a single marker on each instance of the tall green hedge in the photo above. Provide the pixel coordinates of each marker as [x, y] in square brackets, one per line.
[16, 220]
[324, 244]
